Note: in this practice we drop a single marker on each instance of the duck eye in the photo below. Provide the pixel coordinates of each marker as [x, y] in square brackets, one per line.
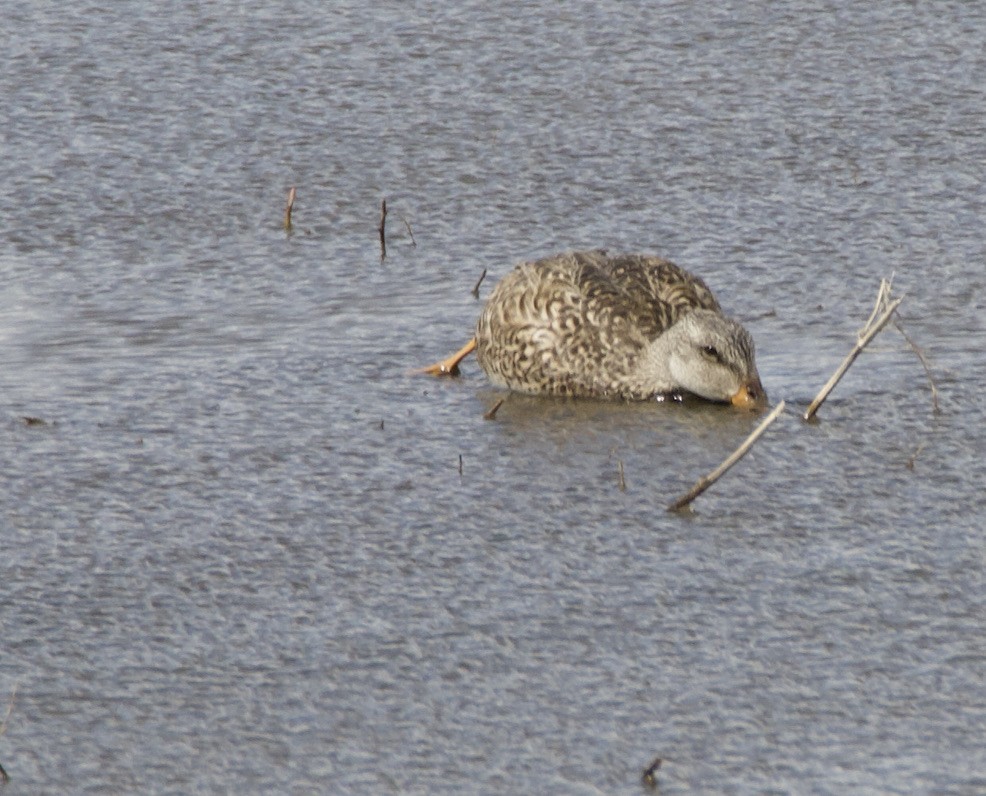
[711, 352]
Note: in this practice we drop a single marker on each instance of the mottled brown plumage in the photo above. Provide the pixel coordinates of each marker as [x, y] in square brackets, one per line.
[590, 324]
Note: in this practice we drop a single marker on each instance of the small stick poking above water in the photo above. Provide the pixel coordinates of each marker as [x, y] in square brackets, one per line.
[475, 290]
[868, 332]
[924, 362]
[407, 226]
[289, 208]
[650, 773]
[492, 413]
[720, 471]
[383, 229]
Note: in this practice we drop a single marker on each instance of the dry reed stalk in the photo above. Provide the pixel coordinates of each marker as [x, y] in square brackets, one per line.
[882, 298]
[924, 362]
[407, 226]
[383, 229]
[289, 208]
[475, 290]
[868, 332]
[914, 456]
[496, 407]
[650, 773]
[722, 469]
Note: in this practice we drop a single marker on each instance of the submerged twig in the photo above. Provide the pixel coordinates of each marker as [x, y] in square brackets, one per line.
[914, 456]
[407, 226]
[650, 773]
[490, 415]
[868, 332]
[735, 456]
[289, 208]
[383, 229]
[924, 362]
[475, 290]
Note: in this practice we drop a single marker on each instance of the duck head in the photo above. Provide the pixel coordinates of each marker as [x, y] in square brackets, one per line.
[709, 355]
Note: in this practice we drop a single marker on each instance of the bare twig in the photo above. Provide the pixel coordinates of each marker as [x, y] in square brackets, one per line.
[383, 229]
[619, 470]
[289, 208]
[914, 456]
[407, 226]
[722, 469]
[496, 407]
[475, 290]
[882, 299]
[868, 332]
[924, 361]
[650, 773]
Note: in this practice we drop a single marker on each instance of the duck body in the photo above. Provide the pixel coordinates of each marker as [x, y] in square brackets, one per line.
[631, 327]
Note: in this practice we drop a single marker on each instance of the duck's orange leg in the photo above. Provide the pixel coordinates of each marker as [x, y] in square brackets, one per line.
[450, 365]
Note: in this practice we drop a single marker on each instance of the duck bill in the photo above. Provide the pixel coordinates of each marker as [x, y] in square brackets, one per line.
[750, 395]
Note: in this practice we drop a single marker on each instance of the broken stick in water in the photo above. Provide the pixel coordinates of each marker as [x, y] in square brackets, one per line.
[475, 290]
[650, 773]
[720, 471]
[868, 332]
[407, 225]
[383, 229]
[924, 362]
[289, 208]
[496, 407]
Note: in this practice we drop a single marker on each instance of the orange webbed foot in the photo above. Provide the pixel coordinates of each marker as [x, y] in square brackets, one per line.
[450, 365]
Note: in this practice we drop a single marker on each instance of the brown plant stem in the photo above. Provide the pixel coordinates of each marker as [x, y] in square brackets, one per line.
[707, 481]
[870, 331]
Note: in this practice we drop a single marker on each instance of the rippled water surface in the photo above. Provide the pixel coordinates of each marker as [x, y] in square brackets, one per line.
[243, 550]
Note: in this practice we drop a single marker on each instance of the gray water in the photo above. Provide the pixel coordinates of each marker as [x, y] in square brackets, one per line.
[244, 551]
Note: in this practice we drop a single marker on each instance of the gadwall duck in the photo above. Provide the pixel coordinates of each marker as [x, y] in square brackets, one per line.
[630, 326]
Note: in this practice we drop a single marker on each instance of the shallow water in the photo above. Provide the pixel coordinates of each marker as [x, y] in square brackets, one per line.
[245, 551]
